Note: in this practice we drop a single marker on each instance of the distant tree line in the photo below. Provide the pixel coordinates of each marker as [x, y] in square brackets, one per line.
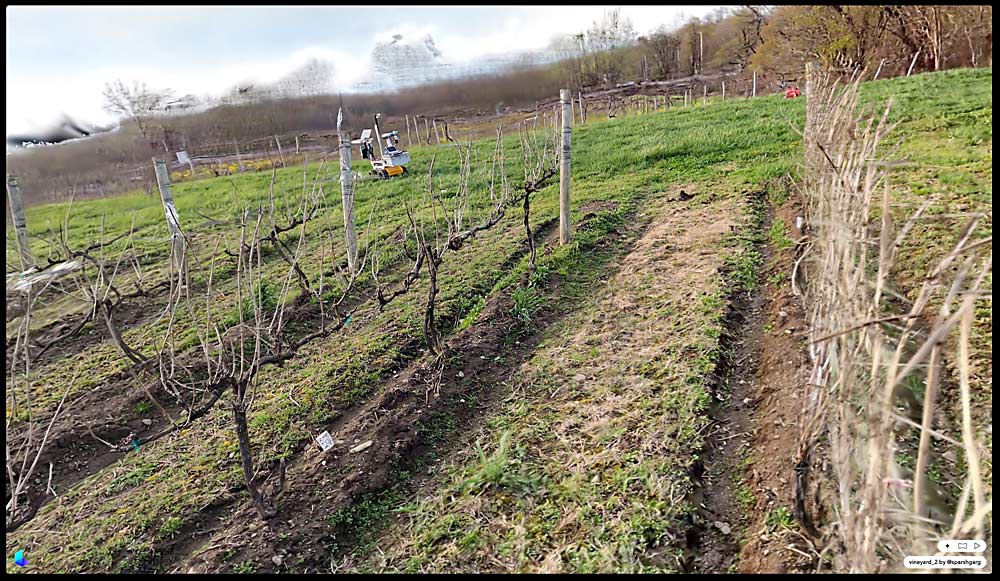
[777, 41]
[774, 42]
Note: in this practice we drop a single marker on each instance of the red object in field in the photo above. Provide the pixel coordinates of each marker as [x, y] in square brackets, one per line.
[792, 93]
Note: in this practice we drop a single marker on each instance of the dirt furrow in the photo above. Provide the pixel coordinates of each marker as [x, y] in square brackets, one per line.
[717, 522]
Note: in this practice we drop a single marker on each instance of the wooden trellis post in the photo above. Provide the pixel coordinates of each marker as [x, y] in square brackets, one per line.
[723, 90]
[879, 69]
[754, 94]
[347, 196]
[912, 63]
[409, 141]
[20, 224]
[296, 145]
[704, 94]
[280, 155]
[239, 158]
[436, 133]
[567, 131]
[427, 131]
[583, 118]
[173, 220]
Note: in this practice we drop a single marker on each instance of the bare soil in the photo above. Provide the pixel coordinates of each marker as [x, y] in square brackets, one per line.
[714, 538]
[753, 462]
[778, 397]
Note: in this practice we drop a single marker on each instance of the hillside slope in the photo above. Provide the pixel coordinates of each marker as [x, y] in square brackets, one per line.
[567, 431]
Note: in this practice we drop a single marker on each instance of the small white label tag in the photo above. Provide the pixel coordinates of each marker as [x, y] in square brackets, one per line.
[325, 441]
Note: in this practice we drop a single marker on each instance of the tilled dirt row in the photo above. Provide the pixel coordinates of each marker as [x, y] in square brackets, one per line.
[97, 426]
[373, 440]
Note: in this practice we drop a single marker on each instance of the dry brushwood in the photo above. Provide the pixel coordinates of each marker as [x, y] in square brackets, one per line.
[863, 347]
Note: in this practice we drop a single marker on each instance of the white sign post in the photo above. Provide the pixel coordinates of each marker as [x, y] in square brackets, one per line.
[182, 157]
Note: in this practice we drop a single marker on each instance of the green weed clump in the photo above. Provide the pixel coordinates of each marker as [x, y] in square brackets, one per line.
[527, 301]
[498, 470]
[779, 235]
[265, 295]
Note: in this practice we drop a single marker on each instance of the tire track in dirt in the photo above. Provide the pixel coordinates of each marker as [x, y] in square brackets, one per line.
[713, 538]
[776, 544]
[747, 480]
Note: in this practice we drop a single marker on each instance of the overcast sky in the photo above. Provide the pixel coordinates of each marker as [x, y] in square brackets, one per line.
[58, 58]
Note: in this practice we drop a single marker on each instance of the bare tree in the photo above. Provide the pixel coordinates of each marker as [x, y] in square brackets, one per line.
[135, 102]
[594, 57]
[663, 47]
[926, 29]
[228, 355]
[740, 35]
[436, 222]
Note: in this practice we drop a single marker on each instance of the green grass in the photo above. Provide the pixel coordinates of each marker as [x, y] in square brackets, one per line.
[171, 526]
[355, 523]
[245, 568]
[744, 264]
[746, 498]
[499, 469]
[720, 152]
[526, 303]
[780, 517]
[778, 235]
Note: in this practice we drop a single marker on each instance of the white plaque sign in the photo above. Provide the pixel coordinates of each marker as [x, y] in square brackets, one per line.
[325, 441]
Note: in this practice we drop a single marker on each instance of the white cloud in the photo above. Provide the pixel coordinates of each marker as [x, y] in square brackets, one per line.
[34, 103]
[35, 100]
[535, 27]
